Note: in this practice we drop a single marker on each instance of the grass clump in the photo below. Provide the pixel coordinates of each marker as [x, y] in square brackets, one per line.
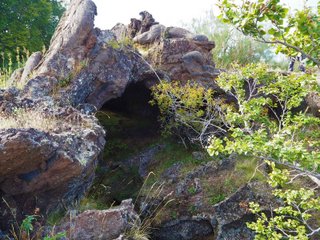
[24, 118]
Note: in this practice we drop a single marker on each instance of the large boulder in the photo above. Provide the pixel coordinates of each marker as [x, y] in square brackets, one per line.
[72, 41]
[313, 101]
[48, 156]
[101, 224]
[30, 65]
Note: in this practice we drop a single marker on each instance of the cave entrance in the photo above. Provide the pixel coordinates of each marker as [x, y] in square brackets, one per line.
[132, 128]
[134, 102]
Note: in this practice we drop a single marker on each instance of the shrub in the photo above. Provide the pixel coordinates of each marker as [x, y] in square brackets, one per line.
[295, 219]
[189, 111]
[262, 119]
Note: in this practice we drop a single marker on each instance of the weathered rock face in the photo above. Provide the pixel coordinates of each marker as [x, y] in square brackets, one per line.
[189, 229]
[313, 101]
[183, 55]
[30, 65]
[72, 41]
[232, 214]
[49, 165]
[83, 69]
[101, 224]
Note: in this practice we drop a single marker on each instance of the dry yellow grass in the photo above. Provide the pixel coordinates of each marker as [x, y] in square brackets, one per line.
[37, 119]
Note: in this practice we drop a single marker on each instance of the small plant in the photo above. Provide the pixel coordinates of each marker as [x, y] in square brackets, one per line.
[8, 65]
[192, 190]
[120, 44]
[217, 198]
[295, 219]
[57, 236]
[29, 229]
[192, 209]
[140, 229]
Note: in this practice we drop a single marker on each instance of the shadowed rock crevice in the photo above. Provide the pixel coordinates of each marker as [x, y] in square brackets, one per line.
[134, 101]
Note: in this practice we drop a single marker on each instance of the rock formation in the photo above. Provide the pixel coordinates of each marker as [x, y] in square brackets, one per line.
[101, 224]
[48, 156]
[51, 163]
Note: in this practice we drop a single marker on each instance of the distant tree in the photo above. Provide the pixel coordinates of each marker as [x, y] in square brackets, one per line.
[27, 24]
[231, 45]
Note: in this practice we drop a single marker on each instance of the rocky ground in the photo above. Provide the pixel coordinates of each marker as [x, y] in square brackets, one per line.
[77, 136]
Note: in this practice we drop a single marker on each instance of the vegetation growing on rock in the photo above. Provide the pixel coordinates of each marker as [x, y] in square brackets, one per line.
[52, 147]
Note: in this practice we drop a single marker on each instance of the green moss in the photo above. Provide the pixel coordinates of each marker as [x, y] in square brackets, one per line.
[55, 217]
[217, 198]
[229, 181]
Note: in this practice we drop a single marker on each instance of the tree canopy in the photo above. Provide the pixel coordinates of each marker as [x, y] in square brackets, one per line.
[272, 22]
[27, 24]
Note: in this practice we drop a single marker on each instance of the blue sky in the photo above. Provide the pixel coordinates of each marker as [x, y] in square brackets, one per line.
[167, 12]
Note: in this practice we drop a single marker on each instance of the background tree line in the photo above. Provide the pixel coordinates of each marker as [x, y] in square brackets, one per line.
[27, 24]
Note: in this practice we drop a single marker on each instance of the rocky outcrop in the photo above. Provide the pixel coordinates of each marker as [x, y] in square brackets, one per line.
[183, 55]
[72, 41]
[313, 101]
[88, 65]
[30, 65]
[189, 229]
[101, 224]
[50, 161]
[232, 214]
[47, 159]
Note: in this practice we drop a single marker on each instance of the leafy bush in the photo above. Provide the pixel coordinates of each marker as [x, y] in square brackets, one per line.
[264, 121]
[272, 22]
[261, 121]
[295, 219]
[189, 111]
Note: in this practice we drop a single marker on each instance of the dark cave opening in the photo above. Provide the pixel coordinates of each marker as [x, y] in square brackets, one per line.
[132, 128]
[135, 101]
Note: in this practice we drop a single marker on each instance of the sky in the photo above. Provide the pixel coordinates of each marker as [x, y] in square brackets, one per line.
[167, 12]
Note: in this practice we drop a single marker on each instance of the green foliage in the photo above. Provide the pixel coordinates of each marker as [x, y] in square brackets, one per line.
[271, 22]
[231, 45]
[27, 224]
[294, 219]
[27, 24]
[8, 65]
[57, 236]
[264, 122]
[189, 111]
[192, 190]
[120, 44]
[28, 231]
[217, 198]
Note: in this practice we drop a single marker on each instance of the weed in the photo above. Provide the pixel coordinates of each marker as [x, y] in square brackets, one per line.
[29, 228]
[140, 230]
[120, 44]
[8, 65]
[192, 190]
[217, 198]
[192, 209]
